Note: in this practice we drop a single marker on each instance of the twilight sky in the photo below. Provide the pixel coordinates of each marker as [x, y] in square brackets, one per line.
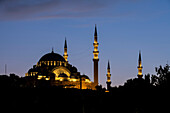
[30, 28]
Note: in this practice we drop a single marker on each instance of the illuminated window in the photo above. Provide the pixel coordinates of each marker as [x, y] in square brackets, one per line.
[58, 63]
[47, 78]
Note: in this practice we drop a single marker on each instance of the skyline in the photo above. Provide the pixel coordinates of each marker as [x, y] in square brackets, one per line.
[30, 29]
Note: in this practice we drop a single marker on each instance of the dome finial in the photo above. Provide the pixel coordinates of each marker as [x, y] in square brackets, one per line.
[52, 50]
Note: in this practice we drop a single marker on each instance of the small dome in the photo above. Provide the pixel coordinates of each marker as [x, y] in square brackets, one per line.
[32, 70]
[52, 57]
[74, 69]
[85, 76]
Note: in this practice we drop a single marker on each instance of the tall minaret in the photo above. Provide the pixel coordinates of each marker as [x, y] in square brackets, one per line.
[140, 75]
[95, 58]
[108, 82]
[65, 51]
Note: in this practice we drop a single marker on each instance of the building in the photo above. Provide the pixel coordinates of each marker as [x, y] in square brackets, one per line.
[56, 69]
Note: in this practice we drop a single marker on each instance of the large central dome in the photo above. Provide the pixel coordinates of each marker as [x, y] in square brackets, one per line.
[52, 57]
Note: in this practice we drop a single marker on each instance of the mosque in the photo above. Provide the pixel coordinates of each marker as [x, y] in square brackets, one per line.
[57, 70]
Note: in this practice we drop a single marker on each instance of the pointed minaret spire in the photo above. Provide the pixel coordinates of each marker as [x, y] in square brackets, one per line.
[108, 82]
[140, 75]
[95, 32]
[95, 58]
[139, 57]
[65, 51]
[108, 66]
[65, 45]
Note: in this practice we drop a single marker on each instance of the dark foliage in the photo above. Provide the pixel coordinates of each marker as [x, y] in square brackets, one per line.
[162, 79]
[56, 100]
[12, 81]
[147, 95]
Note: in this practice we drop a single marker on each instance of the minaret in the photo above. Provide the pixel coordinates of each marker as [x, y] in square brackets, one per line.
[108, 82]
[140, 75]
[65, 51]
[95, 58]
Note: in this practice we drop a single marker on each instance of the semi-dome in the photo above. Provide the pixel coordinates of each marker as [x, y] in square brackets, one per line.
[32, 70]
[52, 57]
[85, 76]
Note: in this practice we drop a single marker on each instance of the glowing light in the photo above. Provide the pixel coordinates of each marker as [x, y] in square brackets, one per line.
[107, 91]
[57, 71]
[140, 70]
[108, 80]
[73, 79]
[40, 77]
[47, 78]
[26, 74]
[87, 80]
[57, 78]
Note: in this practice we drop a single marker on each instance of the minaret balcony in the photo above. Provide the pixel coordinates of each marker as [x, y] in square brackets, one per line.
[95, 44]
[96, 52]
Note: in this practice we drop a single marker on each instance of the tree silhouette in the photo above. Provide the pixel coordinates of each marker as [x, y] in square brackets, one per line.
[138, 82]
[162, 79]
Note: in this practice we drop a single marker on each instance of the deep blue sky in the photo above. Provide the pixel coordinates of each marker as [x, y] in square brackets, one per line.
[30, 28]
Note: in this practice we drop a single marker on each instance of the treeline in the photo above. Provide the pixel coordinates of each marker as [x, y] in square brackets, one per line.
[160, 80]
[56, 100]
[12, 81]
[147, 95]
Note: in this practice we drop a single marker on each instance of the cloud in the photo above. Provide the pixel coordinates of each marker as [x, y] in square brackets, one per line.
[42, 9]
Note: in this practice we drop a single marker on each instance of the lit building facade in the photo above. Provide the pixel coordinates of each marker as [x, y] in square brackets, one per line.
[56, 69]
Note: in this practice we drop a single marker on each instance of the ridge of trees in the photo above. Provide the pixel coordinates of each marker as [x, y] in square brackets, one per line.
[160, 80]
[146, 95]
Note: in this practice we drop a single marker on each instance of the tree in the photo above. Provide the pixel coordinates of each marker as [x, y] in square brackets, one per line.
[138, 82]
[162, 79]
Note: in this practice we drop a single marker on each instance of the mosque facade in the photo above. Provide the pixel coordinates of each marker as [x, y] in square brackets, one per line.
[57, 71]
